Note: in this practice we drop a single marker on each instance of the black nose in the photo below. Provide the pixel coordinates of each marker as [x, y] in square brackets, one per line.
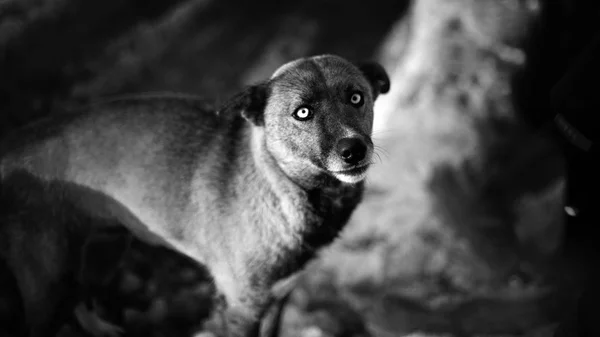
[352, 150]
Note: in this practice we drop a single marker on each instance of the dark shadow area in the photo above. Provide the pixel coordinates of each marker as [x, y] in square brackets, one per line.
[477, 198]
[565, 29]
[53, 40]
[212, 43]
[41, 241]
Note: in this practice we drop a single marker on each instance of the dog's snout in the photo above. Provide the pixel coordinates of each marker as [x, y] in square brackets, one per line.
[352, 150]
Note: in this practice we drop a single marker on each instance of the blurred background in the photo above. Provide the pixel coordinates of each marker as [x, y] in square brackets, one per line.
[462, 231]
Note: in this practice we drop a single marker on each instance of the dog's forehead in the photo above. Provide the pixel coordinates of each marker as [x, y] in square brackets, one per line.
[335, 67]
[321, 71]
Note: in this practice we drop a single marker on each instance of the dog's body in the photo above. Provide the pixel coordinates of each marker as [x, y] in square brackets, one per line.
[251, 191]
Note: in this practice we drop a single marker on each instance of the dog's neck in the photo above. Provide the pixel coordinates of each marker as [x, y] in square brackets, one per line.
[316, 210]
[285, 189]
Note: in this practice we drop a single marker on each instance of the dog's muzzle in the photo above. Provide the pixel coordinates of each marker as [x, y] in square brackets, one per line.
[352, 161]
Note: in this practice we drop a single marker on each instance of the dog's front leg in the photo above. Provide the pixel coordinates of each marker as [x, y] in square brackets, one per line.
[231, 321]
[238, 307]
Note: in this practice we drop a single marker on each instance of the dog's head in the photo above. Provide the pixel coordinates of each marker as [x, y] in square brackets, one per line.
[317, 115]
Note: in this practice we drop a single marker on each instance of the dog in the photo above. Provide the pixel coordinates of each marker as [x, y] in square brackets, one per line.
[251, 190]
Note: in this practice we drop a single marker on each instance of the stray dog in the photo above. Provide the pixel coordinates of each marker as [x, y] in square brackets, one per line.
[251, 190]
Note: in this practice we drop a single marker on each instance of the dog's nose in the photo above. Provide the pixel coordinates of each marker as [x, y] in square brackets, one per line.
[352, 150]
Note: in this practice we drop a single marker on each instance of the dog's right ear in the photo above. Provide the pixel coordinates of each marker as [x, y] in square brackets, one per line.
[250, 102]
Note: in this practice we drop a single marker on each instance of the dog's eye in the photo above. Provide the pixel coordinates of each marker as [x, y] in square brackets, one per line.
[303, 113]
[356, 99]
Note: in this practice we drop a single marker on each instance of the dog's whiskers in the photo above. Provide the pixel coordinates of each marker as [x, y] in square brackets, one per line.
[384, 131]
[378, 158]
[382, 150]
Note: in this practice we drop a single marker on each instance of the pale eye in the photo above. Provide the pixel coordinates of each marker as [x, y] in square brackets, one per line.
[356, 99]
[303, 113]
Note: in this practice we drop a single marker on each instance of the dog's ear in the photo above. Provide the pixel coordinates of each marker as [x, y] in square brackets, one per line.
[250, 102]
[377, 76]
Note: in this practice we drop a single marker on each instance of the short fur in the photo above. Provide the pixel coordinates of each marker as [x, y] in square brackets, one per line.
[249, 191]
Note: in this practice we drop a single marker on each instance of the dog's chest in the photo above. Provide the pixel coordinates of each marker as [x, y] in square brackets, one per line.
[327, 212]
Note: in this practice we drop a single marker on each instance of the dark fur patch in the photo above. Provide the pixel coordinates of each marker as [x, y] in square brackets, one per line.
[332, 207]
[335, 206]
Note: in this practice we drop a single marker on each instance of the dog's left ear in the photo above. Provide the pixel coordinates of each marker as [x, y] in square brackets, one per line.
[250, 102]
[377, 76]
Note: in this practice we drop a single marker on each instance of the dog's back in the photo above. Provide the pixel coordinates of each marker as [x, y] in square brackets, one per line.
[98, 154]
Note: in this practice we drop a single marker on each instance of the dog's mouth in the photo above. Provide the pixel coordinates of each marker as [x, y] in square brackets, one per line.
[355, 171]
[352, 175]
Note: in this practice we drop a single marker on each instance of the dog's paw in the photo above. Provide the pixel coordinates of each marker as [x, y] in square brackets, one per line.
[94, 324]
